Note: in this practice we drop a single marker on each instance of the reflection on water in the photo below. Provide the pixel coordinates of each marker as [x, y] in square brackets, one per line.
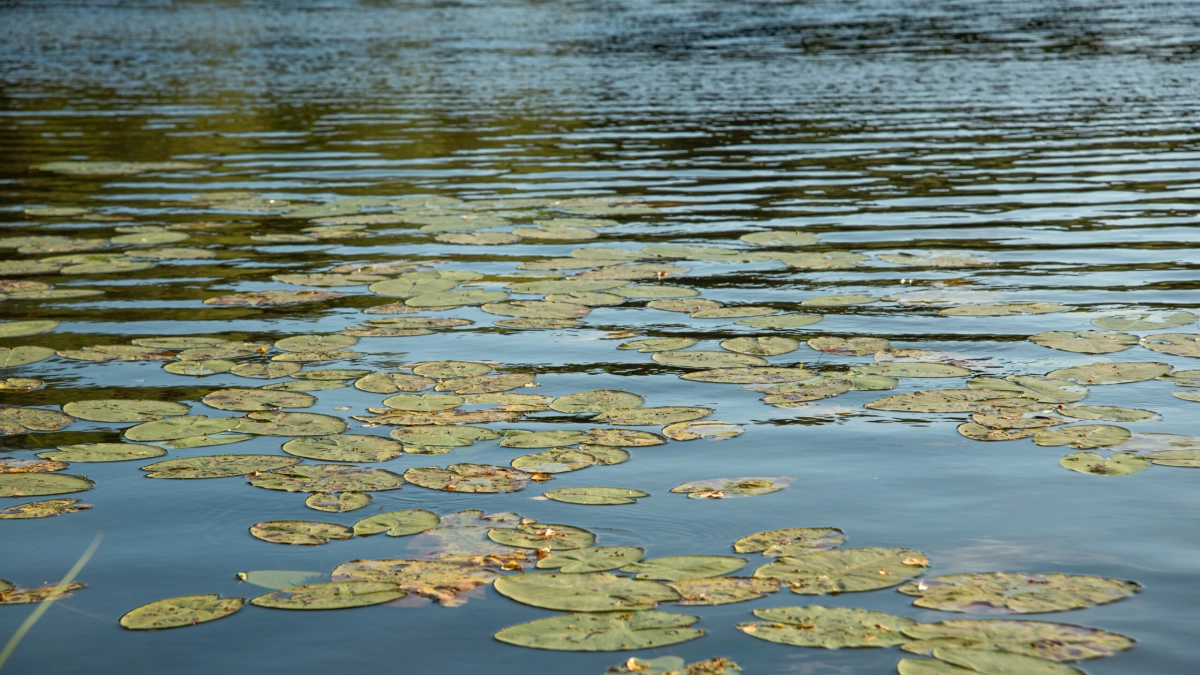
[1024, 152]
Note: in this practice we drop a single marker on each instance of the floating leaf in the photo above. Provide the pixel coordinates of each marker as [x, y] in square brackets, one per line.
[456, 298]
[102, 353]
[779, 238]
[543, 535]
[187, 610]
[1083, 436]
[621, 438]
[1038, 388]
[216, 466]
[707, 359]
[791, 541]
[451, 369]
[11, 357]
[722, 590]
[554, 460]
[724, 488]
[832, 260]
[1111, 373]
[300, 532]
[761, 375]
[916, 369]
[337, 503]
[1181, 378]
[845, 570]
[1118, 464]
[584, 592]
[180, 427]
[390, 383]
[1183, 457]
[1144, 320]
[545, 439]
[345, 448]
[486, 384]
[827, 627]
[790, 395]
[1006, 309]
[443, 581]
[10, 329]
[315, 343]
[328, 478]
[35, 595]
[761, 346]
[423, 402]
[199, 368]
[851, 347]
[597, 401]
[733, 312]
[709, 431]
[38, 484]
[537, 309]
[666, 344]
[279, 579]
[102, 452]
[931, 260]
[1017, 593]
[676, 567]
[22, 420]
[979, 432]
[840, 300]
[21, 384]
[445, 436]
[397, 523]
[683, 305]
[594, 559]
[332, 595]
[975, 660]
[1053, 641]
[1085, 342]
[271, 298]
[290, 424]
[596, 495]
[255, 399]
[478, 238]
[638, 417]
[10, 465]
[937, 400]
[1176, 344]
[603, 631]
[42, 509]
[473, 478]
[1107, 413]
[101, 168]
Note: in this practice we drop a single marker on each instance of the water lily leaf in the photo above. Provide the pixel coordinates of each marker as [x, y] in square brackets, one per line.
[11, 357]
[597, 401]
[255, 399]
[603, 631]
[654, 291]
[537, 309]
[390, 383]
[595, 495]
[1053, 641]
[211, 367]
[271, 298]
[30, 596]
[937, 400]
[462, 538]
[328, 478]
[486, 384]
[791, 541]
[345, 448]
[102, 452]
[1187, 396]
[1158, 443]
[761, 346]
[38, 484]
[1083, 436]
[584, 592]
[538, 324]
[22, 420]
[1144, 320]
[725, 488]
[332, 595]
[683, 305]
[315, 343]
[300, 532]
[761, 375]
[223, 438]
[852, 347]
[464, 477]
[397, 523]
[41, 509]
[21, 384]
[227, 350]
[722, 590]
[451, 369]
[639, 417]
[587, 298]
[554, 460]
[1106, 413]
[444, 417]
[102, 353]
[843, 300]
[649, 345]
[974, 660]
[979, 432]
[832, 260]
[1043, 389]
[420, 322]
[12, 465]
[148, 238]
[445, 436]
[423, 402]
[694, 252]
[337, 503]
[1111, 373]
[545, 439]
[478, 238]
[779, 238]
[1181, 378]
[23, 267]
[328, 280]
[280, 579]
[330, 374]
[827, 627]
[456, 298]
[216, 466]
[180, 427]
[931, 260]
[1119, 464]
[1085, 342]
[621, 438]
[706, 359]
[187, 610]
[916, 369]
[1006, 309]
[1182, 457]
[289, 424]
[845, 570]
[790, 395]
[1017, 593]
[709, 431]
[443, 581]
[733, 312]
[594, 559]
[676, 567]
[1176, 344]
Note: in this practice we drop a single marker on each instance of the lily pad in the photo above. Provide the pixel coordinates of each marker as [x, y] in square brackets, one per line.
[665, 344]
[1085, 342]
[102, 452]
[1188, 457]
[760, 375]
[827, 627]
[603, 631]
[596, 495]
[543, 536]
[706, 359]
[709, 431]
[597, 401]
[683, 305]
[761, 346]
[676, 567]
[1175, 344]
[554, 460]
[216, 466]
[280, 579]
[621, 438]
[1017, 593]
[1006, 309]
[1111, 373]
[315, 343]
[1053, 641]
[447, 582]
[21, 384]
[271, 298]
[40, 509]
[726, 488]
[337, 503]
[187, 610]
[1043, 389]
[11, 357]
[328, 478]
[843, 300]
[594, 559]
[738, 312]
[979, 432]
[846, 570]
[290, 424]
[791, 541]
[852, 347]
[175, 428]
[639, 417]
[974, 660]
[255, 399]
[397, 523]
[1083, 436]
[1144, 320]
[584, 592]
[11, 465]
[545, 439]
[10, 329]
[451, 369]
[537, 309]
[1117, 464]
[199, 368]
[1106, 413]
[937, 400]
[780, 238]
[1181, 378]
[722, 590]
[444, 436]
[915, 369]
[486, 384]
[345, 448]
[29, 596]
[472, 478]
[456, 298]
[423, 402]
[22, 420]
[300, 532]
[227, 350]
[790, 395]
[332, 595]
[832, 260]
[390, 383]
[38, 484]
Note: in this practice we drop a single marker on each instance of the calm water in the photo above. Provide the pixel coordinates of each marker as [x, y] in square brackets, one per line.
[1057, 139]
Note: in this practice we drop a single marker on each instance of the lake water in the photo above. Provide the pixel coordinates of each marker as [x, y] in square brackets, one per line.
[1050, 149]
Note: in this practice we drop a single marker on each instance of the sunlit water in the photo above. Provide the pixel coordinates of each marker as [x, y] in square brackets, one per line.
[1058, 140]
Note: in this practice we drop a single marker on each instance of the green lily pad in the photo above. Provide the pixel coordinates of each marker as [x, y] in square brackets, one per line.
[345, 448]
[676, 567]
[106, 353]
[705, 359]
[595, 495]
[606, 455]
[328, 280]
[666, 344]
[597, 401]
[10, 329]
[478, 238]
[441, 418]
[1118, 464]
[55, 294]
[587, 298]
[780, 238]
[761, 346]
[40, 509]
[22, 420]
[328, 478]
[537, 309]
[683, 305]
[791, 541]
[640, 417]
[175, 428]
[554, 460]
[310, 357]
[11, 357]
[1017, 593]
[832, 260]
[542, 536]
[1085, 342]
[603, 631]
[1176, 344]
[332, 595]
[937, 400]
[726, 488]
[1006, 309]
[1158, 443]
[846, 570]
[538, 324]
[843, 300]
[11, 465]
[1083, 436]
[187, 610]
[1181, 457]
[1053, 641]
[280, 579]
[444, 436]
[305, 385]
[390, 383]
[21, 384]
[931, 260]
[451, 369]
[781, 321]
[977, 661]
[979, 432]
[1181, 378]
[545, 439]
[255, 399]
[216, 466]
[38, 484]
[654, 292]
[315, 343]
[423, 402]
[271, 298]
[722, 590]
[594, 559]
[227, 350]
[22, 267]
[1187, 396]
[102, 452]
[121, 410]
[472, 478]
[1111, 373]
[1043, 389]
[199, 368]
[912, 369]
[290, 424]
[738, 312]
[1144, 320]
[486, 384]
[1106, 413]
[791, 395]
[584, 592]
[148, 238]
[397, 523]
[760, 375]
[827, 627]
[709, 431]
[621, 438]
[852, 347]
[443, 581]
[456, 298]
[337, 503]
[557, 233]
[300, 532]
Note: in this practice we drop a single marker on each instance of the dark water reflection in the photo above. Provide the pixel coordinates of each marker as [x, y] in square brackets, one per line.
[1058, 139]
